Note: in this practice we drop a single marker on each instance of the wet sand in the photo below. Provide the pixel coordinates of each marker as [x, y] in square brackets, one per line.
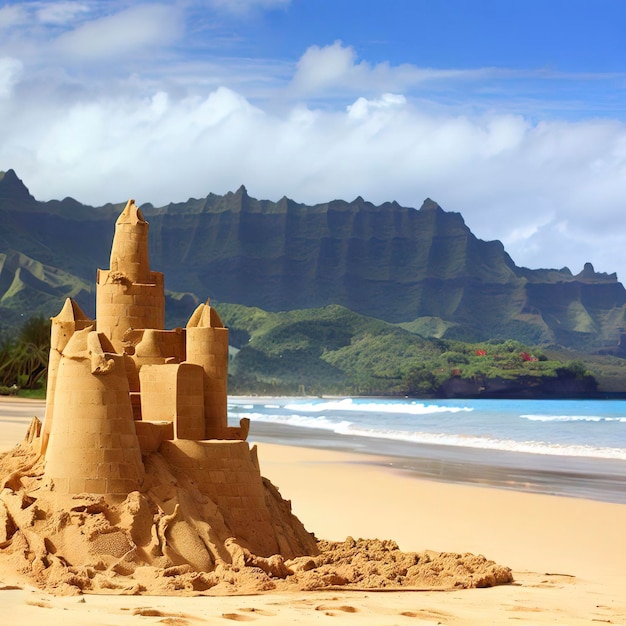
[580, 477]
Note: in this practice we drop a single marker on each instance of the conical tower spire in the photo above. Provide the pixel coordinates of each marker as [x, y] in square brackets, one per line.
[129, 252]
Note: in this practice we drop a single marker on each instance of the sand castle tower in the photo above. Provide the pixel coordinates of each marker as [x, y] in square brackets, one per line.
[129, 295]
[70, 319]
[207, 346]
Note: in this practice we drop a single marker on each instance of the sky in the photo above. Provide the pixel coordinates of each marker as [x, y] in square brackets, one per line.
[510, 112]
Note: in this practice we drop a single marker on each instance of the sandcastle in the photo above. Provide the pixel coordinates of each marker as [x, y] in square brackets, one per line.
[136, 483]
[121, 387]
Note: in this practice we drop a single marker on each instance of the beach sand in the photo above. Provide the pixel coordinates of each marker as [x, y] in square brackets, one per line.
[568, 555]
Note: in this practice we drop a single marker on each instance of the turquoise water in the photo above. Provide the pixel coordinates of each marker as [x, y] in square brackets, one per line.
[559, 447]
[583, 428]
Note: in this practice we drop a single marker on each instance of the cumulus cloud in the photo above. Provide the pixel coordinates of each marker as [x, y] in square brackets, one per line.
[321, 67]
[363, 107]
[336, 67]
[551, 190]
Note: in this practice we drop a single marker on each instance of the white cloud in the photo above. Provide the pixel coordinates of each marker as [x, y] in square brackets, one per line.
[363, 107]
[12, 15]
[10, 71]
[60, 13]
[335, 68]
[323, 67]
[245, 6]
[120, 34]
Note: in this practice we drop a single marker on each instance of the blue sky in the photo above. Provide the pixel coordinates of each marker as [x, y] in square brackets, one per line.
[512, 113]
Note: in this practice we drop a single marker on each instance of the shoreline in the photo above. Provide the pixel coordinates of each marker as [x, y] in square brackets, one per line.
[580, 477]
[566, 553]
[590, 478]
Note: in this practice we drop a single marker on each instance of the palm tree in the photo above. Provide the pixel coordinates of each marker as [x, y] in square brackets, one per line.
[24, 362]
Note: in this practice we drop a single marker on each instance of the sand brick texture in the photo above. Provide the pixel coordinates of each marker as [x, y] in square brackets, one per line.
[70, 319]
[121, 306]
[208, 348]
[228, 473]
[173, 392]
[93, 446]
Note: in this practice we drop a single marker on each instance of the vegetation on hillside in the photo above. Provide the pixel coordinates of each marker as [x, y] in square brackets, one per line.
[334, 350]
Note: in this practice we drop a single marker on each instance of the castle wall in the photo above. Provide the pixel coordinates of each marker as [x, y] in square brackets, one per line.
[152, 347]
[174, 392]
[228, 473]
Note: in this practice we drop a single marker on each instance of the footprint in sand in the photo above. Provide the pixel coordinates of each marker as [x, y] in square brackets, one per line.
[38, 603]
[251, 609]
[171, 619]
[426, 614]
[329, 609]
[145, 612]
[237, 617]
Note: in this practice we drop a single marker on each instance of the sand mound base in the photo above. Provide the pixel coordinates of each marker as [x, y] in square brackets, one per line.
[172, 539]
[380, 564]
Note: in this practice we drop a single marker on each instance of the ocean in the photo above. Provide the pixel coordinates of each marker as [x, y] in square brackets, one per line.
[561, 447]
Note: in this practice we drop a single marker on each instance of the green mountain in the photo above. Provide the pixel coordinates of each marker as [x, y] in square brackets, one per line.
[28, 288]
[422, 268]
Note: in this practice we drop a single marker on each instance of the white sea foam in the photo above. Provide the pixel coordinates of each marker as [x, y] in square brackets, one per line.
[348, 404]
[572, 418]
[302, 421]
[345, 427]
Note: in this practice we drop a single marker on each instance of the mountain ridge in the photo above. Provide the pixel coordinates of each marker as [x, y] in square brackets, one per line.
[422, 268]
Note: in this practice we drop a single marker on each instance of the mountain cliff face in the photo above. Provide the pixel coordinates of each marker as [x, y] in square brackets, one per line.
[422, 268]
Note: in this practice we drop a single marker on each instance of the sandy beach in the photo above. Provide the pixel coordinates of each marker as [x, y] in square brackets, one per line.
[567, 554]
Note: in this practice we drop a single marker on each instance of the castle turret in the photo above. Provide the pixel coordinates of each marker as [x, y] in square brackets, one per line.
[129, 295]
[70, 319]
[93, 447]
[129, 251]
[207, 346]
